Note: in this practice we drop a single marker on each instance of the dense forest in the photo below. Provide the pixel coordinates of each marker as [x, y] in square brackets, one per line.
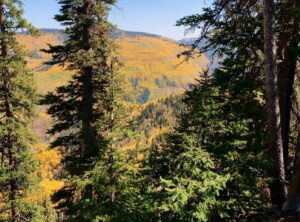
[87, 135]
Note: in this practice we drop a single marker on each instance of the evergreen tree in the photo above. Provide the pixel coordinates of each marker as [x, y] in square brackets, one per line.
[224, 113]
[81, 108]
[235, 30]
[223, 139]
[112, 180]
[17, 100]
[179, 181]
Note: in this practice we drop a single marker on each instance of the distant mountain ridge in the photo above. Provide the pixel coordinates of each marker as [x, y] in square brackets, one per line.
[116, 33]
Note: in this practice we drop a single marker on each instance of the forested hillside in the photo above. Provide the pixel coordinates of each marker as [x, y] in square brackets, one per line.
[152, 72]
[99, 124]
[150, 64]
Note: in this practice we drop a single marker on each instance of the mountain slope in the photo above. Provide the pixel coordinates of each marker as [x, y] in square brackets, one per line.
[151, 67]
[151, 70]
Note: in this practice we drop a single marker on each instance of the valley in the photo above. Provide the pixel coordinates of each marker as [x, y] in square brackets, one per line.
[154, 77]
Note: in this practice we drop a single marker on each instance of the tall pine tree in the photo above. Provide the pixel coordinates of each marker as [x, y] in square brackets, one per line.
[17, 101]
[113, 179]
[78, 107]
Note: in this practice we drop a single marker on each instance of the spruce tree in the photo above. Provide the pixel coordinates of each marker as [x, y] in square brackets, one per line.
[223, 146]
[113, 178]
[179, 181]
[235, 29]
[224, 113]
[17, 100]
[80, 106]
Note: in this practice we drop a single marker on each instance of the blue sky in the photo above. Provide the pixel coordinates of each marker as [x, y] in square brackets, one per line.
[153, 16]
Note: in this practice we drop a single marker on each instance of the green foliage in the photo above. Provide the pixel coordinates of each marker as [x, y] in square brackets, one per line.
[88, 54]
[180, 180]
[112, 181]
[225, 109]
[97, 170]
[158, 115]
[224, 119]
[17, 101]
[212, 167]
[225, 124]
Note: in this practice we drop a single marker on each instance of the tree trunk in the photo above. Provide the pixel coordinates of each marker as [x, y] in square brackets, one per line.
[286, 73]
[2, 52]
[87, 114]
[286, 77]
[111, 161]
[275, 149]
[13, 183]
[11, 160]
[293, 198]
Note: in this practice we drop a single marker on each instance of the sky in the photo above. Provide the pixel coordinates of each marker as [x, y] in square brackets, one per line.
[152, 16]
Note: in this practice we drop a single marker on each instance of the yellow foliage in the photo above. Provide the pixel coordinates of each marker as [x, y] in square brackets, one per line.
[147, 59]
[140, 156]
[50, 165]
[49, 159]
[37, 43]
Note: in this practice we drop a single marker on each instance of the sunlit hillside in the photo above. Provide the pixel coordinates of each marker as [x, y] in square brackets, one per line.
[134, 126]
[152, 72]
[153, 69]
[150, 65]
